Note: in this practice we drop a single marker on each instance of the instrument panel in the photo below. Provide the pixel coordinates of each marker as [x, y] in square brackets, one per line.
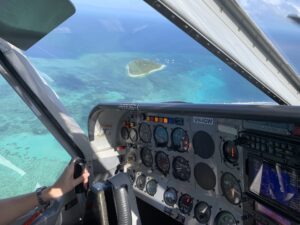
[185, 166]
[204, 170]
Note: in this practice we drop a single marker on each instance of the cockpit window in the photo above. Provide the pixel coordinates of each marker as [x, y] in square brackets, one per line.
[125, 51]
[280, 21]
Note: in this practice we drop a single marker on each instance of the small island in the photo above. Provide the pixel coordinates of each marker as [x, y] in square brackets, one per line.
[143, 67]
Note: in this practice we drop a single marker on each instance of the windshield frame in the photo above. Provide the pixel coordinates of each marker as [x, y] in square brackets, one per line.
[237, 14]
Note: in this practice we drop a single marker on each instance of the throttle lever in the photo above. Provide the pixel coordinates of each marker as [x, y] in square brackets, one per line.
[78, 170]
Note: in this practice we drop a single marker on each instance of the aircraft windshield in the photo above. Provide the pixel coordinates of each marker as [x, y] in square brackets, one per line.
[274, 18]
[125, 51]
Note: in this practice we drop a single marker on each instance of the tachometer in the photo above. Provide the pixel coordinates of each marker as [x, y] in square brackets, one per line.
[185, 204]
[225, 218]
[146, 156]
[202, 212]
[145, 132]
[151, 187]
[230, 152]
[181, 168]
[162, 162]
[170, 196]
[231, 188]
[141, 181]
[133, 135]
[180, 140]
[161, 136]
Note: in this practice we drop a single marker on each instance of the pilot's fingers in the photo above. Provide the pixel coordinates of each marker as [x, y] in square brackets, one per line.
[85, 175]
[84, 178]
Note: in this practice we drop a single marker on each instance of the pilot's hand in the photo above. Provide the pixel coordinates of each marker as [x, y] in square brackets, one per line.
[65, 183]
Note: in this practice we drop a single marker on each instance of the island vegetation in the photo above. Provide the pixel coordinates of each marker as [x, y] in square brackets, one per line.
[143, 67]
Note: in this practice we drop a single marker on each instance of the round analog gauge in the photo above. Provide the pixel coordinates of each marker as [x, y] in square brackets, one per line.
[181, 168]
[162, 162]
[230, 152]
[141, 181]
[185, 203]
[231, 188]
[146, 156]
[125, 133]
[170, 196]
[151, 187]
[180, 140]
[225, 218]
[161, 136]
[133, 135]
[145, 133]
[202, 212]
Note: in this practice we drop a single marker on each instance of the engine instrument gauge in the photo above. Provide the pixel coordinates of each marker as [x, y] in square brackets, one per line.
[162, 162]
[161, 136]
[230, 152]
[181, 168]
[146, 156]
[151, 187]
[133, 135]
[185, 204]
[231, 188]
[141, 181]
[125, 133]
[170, 196]
[202, 212]
[180, 140]
[225, 218]
[145, 132]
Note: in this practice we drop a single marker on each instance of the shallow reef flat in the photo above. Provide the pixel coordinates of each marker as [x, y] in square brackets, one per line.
[143, 67]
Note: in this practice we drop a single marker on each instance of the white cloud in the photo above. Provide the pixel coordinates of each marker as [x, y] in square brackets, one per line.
[63, 30]
[274, 2]
[138, 29]
[295, 6]
[280, 8]
[113, 25]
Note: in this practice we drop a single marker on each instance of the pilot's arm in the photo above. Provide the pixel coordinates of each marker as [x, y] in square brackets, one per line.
[12, 208]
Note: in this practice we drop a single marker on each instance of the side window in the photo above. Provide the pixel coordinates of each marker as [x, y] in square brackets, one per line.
[29, 155]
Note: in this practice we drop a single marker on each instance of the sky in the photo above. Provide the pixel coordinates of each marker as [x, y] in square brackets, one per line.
[117, 6]
[273, 8]
[271, 18]
[269, 15]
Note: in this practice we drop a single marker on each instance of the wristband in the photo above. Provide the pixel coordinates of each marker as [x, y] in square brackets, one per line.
[39, 196]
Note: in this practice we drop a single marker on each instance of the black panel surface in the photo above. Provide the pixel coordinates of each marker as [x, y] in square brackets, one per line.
[205, 176]
[203, 145]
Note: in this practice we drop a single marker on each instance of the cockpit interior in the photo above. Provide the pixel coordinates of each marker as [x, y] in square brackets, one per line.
[177, 162]
[205, 164]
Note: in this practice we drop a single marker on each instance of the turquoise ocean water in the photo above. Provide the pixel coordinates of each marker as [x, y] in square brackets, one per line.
[86, 81]
[84, 61]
